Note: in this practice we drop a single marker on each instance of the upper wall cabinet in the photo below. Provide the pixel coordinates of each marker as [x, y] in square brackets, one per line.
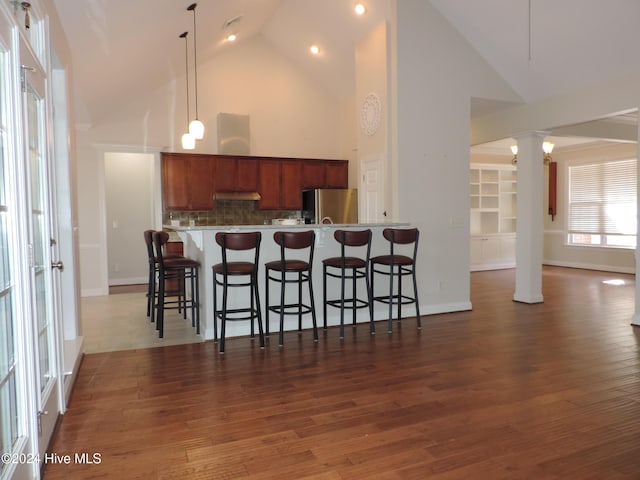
[325, 174]
[189, 181]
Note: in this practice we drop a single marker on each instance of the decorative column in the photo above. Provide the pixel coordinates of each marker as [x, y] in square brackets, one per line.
[635, 320]
[530, 223]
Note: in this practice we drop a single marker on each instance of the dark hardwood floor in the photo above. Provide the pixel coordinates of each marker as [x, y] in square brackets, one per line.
[506, 391]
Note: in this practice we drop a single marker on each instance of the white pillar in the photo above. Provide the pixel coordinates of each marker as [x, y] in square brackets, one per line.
[530, 224]
[635, 320]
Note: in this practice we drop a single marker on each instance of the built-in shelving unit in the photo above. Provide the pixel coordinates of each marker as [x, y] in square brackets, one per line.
[493, 216]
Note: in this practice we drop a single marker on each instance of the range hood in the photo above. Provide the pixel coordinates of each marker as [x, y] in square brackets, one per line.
[237, 196]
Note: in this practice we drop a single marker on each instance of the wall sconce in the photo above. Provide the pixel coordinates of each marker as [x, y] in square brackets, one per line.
[547, 148]
[514, 150]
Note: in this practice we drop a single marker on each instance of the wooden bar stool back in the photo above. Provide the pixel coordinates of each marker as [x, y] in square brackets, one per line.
[178, 271]
[288, 270]
[236, 273]
[171, 249]
[349, 268]
[397, 265]
[153, 272]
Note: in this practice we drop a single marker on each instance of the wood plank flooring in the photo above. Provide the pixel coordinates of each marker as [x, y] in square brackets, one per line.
[506, 391]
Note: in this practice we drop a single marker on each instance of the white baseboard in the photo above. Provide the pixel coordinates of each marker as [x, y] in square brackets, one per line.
[128, 281]
[94, 292]
[591, 266]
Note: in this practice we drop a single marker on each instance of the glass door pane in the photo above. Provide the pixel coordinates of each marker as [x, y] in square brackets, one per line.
[40, 234]
[9, 429]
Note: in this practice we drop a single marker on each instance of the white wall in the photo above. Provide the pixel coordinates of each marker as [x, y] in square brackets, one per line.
[290, 115]
[435, 75]
[129, 193]
[372, 72]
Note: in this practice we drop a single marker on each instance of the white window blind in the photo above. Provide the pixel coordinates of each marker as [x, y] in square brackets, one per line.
[602, 203]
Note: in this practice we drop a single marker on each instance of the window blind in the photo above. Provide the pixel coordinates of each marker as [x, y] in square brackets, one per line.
[602, 198]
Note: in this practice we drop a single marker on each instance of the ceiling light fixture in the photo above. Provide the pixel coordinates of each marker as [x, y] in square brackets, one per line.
[196, 127]
[188, 142]
[360, 9]
[314, 49]
[232, 37]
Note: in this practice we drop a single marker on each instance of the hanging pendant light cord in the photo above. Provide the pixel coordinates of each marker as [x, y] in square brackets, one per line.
[192, 7]
[186, 64]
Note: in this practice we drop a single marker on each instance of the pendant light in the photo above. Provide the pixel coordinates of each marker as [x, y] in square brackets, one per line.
[196, 127]
[188, 142]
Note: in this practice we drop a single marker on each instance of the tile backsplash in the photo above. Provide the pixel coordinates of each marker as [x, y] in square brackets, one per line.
[228, 212]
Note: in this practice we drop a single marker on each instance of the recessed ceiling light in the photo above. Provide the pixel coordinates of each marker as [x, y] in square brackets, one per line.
[360, 9]
[314, 49]
[232, 37]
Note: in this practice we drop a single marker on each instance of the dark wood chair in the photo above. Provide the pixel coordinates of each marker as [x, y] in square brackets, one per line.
[289, 270]
[349, 268]
[397, 265]
[233, 274]
[182, 271]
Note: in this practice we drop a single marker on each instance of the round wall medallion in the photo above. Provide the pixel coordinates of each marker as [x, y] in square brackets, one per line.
[370, 114]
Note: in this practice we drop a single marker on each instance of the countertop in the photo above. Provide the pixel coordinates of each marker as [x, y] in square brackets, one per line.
[185, 228]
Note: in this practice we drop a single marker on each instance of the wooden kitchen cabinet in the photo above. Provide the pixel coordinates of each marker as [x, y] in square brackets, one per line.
[314, 174]
[190, 180]
[175, 172]
[337, 173]
[269, 184]
[247, 175]
[279, 184]
[201, 175]
[187, 182]
[226, 174]
[325, 174]
[290, 186]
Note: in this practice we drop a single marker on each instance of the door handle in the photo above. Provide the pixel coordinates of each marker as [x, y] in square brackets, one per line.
[59, 265]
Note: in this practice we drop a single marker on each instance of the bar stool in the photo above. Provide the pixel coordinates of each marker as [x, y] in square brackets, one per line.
[232, 269]
[180, 269]
[396, 265]
[171, 250]
[349, 268]
[153, 271]
[300, 270]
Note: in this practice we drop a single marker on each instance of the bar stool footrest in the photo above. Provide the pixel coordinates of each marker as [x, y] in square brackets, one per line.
[291, 309]
[348, 303]
[395, 299]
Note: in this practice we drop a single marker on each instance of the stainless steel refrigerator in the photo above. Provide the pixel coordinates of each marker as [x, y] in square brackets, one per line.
[330, 205]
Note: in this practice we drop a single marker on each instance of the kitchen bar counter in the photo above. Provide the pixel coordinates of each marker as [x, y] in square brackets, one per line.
[200, 244]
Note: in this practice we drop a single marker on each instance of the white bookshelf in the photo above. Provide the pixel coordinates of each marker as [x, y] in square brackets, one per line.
[492, 190]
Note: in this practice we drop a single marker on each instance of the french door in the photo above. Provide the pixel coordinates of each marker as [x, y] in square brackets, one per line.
[41, 245]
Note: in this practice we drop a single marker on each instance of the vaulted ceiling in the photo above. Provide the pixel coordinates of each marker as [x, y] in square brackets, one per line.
[542, 48]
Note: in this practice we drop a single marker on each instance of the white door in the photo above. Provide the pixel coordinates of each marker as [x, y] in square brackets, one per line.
[372, 190]
[41, 245]
[15, 407]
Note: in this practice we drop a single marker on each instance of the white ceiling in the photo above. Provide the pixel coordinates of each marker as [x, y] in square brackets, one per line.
[542, 48]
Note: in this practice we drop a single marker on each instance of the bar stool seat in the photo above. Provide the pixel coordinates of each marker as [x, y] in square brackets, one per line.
[289, 270]
[349, 268]
[225, 275]
[397, 265]
[180, 270]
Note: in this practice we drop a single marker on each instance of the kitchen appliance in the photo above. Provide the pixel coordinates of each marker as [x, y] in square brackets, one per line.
[330, 205]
